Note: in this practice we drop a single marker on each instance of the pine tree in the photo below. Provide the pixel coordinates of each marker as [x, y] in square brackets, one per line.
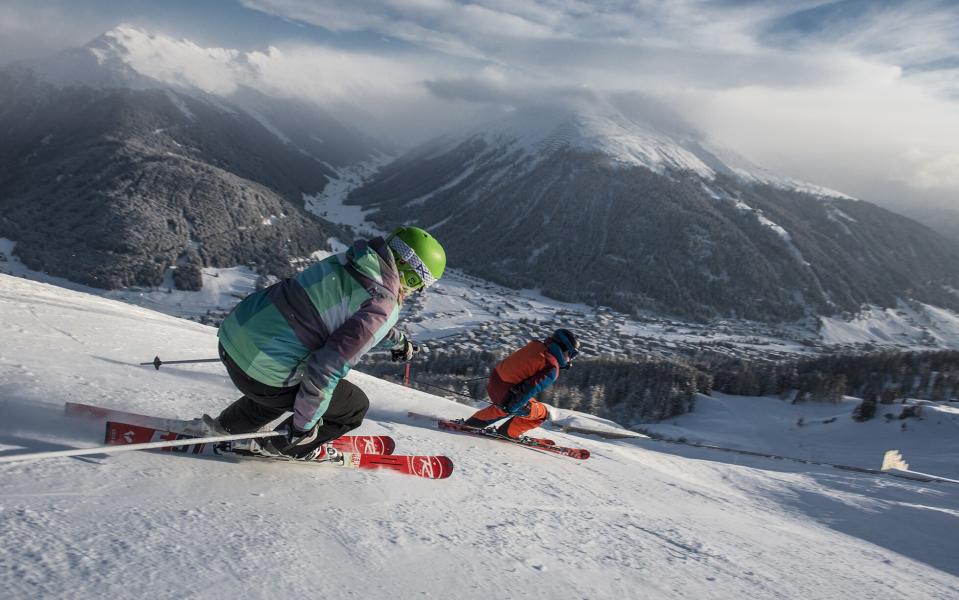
[938, 392]
[865, 411]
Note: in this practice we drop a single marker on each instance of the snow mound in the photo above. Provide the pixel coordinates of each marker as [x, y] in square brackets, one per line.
[638, 519]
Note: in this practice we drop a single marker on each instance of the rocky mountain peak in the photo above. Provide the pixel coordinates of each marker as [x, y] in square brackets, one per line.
[133, 58]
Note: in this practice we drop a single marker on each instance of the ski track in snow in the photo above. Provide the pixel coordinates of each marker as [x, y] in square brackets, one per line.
[639, 519]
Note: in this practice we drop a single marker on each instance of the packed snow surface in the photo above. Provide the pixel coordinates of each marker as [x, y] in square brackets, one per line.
[823, 432]
[640, 519]
[909, 326]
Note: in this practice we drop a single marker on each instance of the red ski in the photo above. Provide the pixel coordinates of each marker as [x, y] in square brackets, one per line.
[99, 413]
[426, 466]
[366, 444]
[429, 467]
[534, 443]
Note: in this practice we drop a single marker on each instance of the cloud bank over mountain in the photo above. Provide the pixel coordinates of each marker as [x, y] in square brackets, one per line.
[855, 95]
[801, 86]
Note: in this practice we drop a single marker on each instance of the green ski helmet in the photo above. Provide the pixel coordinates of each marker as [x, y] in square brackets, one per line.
[420, 259]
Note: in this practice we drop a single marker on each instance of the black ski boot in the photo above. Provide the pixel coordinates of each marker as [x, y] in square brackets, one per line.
[205, 426]
[504, 428]
[474, 422]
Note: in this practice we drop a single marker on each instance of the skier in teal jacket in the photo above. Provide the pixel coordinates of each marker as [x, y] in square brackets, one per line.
[288, 347]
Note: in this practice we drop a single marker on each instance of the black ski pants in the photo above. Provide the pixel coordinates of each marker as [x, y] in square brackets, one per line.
[263, 403]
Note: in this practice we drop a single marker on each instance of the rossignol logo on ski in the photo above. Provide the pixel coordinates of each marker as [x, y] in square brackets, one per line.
[425, 466]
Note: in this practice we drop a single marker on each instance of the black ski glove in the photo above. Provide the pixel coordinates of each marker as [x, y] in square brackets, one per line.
[515, 405]
[295, 443]
[404, 351]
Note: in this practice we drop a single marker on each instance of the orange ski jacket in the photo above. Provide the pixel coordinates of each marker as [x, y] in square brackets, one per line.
[522, 375]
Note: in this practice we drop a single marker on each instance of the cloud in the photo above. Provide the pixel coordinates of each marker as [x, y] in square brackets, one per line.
[844, 93]
[179, 62]
[920, 36]
[30, 30]
[374, 90]
[494, 85]
[490, 85]
[460, 29]
[939, 171]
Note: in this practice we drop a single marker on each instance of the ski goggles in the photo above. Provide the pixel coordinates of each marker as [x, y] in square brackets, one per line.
[413, 271]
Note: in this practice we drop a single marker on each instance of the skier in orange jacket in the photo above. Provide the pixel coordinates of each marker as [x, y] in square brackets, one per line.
[515, 382]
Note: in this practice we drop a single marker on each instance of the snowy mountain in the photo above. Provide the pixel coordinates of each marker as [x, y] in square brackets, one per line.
[130, 58]
[625, 137]
[115, 166]
[592, 203]
[640, 519]
[101, 63]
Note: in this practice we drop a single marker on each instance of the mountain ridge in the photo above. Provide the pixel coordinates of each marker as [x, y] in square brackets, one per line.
[112, 178]
[622, 224]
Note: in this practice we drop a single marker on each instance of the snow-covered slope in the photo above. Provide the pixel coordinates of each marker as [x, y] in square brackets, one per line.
[823, 432]
[909, 325]
[638, 520]
[222, 288]
[201, 168]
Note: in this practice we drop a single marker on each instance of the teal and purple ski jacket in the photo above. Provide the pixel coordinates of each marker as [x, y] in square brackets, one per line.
[312, 328]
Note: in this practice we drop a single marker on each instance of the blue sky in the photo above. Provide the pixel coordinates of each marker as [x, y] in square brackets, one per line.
[859, 95]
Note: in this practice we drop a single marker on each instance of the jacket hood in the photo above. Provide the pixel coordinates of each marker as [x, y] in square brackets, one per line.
[373, 261]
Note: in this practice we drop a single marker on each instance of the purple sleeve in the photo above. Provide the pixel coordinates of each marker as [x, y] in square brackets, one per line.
[345, 346]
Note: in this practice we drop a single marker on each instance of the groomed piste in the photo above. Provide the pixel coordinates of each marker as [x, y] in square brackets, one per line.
[639, 519]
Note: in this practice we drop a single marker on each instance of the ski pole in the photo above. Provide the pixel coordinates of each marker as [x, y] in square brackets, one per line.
[156, 362]
[131, 447]
[445, 389]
